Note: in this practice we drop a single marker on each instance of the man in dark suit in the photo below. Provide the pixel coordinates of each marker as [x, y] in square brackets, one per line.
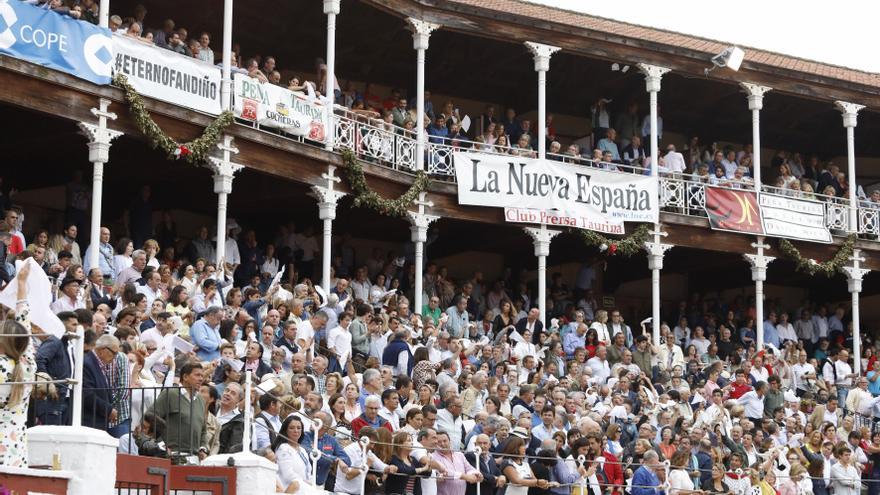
[532, 324]
[97, 405]
[55, 358]
[492, 477]
[97, 292]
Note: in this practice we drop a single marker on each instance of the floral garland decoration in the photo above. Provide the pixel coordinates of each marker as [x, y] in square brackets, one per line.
[364, 196]
[828, 268]
[195, 151]
[628, 246]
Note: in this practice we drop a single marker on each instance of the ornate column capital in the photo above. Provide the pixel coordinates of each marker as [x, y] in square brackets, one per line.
[100, 139]
[419, 220]
[327, 196]
[421, 32]
[855, 273]
[223, 167]
[541, 238]
[755, 94]
[331, 6]
[541, 53]
[653, 75]
[850, 112]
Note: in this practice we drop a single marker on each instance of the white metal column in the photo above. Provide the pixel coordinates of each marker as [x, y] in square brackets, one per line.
[420, 221]
[850, 113]
[100, 139]
[421, 33]
[541, 238]
[327, 197]
[854, 275]
[542, 53]
[224, 171]
[755, 95]
[226, 83]
[331, 8]
[656, 249]
[104, 13]
[759, 264]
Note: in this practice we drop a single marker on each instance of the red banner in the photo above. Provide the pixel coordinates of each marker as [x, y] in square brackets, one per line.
[734, 210]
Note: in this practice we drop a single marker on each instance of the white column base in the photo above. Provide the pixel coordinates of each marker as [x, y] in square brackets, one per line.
[88, 453]
[253, 474]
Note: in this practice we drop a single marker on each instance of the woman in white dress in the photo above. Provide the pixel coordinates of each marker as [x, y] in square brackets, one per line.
[294, 465]
[17, 364]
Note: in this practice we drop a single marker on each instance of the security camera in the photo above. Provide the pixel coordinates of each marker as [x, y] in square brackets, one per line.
[731, 57]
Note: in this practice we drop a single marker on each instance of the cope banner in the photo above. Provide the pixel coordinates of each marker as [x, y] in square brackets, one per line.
[55, 41]
[515, 182]
[168, 76]
[279, 108]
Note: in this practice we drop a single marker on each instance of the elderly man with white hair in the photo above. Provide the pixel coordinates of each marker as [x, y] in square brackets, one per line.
[473, 398]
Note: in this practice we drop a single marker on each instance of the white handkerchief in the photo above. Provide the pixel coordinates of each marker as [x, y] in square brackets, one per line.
[39, 298]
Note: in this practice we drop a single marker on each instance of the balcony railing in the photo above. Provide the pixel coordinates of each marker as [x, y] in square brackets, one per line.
[390, 146]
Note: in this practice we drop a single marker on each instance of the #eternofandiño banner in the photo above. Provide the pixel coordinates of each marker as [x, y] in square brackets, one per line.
[509, 181]
[279, 108]
[168, 76]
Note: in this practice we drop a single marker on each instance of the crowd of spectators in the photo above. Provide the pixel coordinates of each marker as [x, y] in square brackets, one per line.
[581, 401]
[169, 337]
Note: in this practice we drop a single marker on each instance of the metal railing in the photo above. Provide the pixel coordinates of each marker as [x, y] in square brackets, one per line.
[387, 145]
[171, 434]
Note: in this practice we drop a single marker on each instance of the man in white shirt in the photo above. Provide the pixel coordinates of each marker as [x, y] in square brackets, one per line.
[151, 288]
[390, 405]
[450, 421]
[753, 402]
[267, 424]
[69, 299]
[350, 480]
[305, 332]
[339, 340]
[673, 162]
[599, 365]
[729, 164]
[229, 400]
[360, 286]
[840, 375]
[820, 324]
[803, 373]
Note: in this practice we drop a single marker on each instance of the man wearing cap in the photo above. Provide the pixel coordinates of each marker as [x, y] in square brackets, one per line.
[69, 299]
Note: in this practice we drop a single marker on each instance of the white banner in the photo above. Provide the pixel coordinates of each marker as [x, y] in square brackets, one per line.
[793, 218]
[554, 218]
[279, 108]
[601, 196]
[168, 76]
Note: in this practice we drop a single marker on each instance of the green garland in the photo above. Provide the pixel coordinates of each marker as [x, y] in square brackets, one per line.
[195, 151]
[364, 196]
[628, 246]
[810, 266]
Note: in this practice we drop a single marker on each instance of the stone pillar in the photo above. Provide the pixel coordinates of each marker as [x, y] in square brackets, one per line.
[759, 264]
[327, 197]
[542, 54]
[850, 113]
[656, 250]
[541, 238]
[100, 139]
[755, 94]
[420, 221]
[854, 275]
[224, 171]
[88, 453]
[421, 33]
[331, 8]
[254, 474]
